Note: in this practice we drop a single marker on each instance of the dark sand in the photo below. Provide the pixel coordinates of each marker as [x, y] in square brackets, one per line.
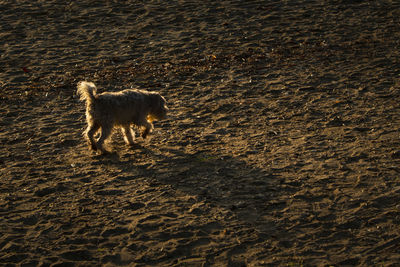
[282, 148]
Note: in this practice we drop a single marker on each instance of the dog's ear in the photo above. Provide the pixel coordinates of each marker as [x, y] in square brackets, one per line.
[155, 101]
[162, 102]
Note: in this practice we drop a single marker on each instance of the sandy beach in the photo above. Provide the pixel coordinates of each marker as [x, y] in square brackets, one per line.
[282, 147]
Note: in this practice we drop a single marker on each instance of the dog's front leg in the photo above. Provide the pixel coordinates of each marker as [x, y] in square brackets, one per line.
[129, 135]
[148, 127]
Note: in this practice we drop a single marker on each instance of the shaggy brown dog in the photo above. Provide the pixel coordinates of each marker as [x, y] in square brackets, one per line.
[120, 109]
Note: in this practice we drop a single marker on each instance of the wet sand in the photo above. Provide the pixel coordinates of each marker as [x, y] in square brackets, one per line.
[282, 148]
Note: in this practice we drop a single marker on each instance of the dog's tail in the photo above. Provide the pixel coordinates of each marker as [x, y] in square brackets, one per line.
[87, 91]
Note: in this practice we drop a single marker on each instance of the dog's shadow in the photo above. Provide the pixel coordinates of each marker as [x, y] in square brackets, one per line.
[223, 180]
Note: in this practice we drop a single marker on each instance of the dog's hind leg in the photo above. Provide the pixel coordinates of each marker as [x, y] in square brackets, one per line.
[89, 135]
[129, 134]
[133, 133]
[104, 134]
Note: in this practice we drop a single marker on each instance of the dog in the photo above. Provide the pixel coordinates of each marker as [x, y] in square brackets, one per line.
[124, 109]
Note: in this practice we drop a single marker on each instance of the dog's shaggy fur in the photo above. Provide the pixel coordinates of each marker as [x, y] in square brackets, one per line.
[122, 109]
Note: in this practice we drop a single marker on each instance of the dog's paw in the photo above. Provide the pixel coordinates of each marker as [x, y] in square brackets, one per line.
[145, 133]
[93, 147]
[104, 152]
[135, 146]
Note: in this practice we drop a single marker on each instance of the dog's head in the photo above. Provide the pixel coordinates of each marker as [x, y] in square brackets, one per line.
[159, 109]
